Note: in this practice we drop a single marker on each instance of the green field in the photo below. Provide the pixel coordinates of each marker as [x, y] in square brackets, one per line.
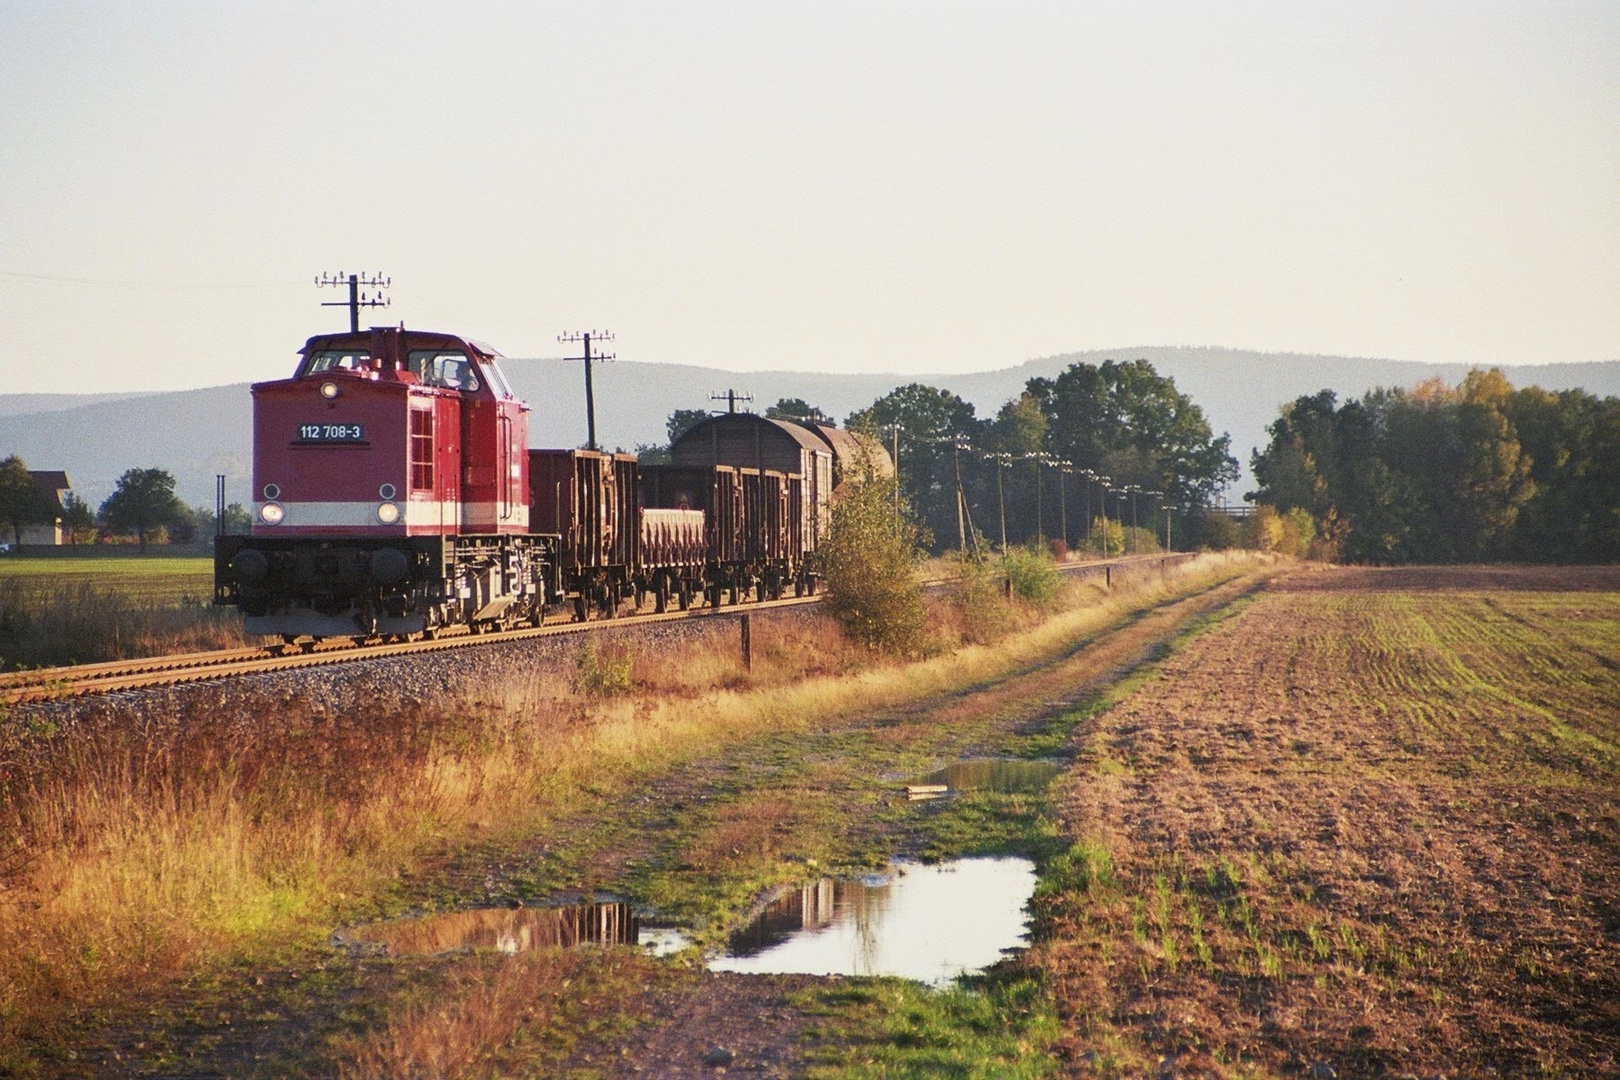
[163, 580]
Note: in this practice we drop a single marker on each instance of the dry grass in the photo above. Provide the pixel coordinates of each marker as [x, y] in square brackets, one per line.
[53, 621]
[489, 1010]
[137, 855]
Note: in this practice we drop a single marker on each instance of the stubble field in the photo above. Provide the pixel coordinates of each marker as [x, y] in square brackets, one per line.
[1370, 826]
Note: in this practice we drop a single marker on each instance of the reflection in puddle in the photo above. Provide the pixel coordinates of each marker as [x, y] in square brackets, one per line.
[508, 930]
[1009, 776]
[929, 923]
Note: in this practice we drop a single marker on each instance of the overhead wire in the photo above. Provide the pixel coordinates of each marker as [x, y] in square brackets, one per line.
[58, 279]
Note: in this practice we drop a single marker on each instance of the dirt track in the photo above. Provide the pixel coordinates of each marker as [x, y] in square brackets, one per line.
[1371, 826]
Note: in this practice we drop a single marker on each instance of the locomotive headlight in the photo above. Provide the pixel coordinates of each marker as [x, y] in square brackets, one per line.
[271, 513]
[329, 390]
[388, 513]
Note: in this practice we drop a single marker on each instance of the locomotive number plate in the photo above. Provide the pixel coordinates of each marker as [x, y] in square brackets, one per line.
[331, 433]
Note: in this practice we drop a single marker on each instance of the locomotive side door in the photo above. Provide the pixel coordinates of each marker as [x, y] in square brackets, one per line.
[447, 410]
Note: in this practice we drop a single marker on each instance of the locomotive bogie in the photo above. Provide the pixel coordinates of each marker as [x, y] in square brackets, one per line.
[363, 586]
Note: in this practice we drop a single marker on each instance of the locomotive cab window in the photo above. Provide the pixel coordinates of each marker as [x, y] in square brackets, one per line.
[439, 367]
[497, 379]
[336, 360]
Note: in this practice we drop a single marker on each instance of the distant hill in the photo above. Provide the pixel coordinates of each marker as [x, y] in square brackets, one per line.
[24, 404]
[198, 433]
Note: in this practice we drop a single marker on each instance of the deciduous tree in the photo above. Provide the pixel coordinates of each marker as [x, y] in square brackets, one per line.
[142, 501]
[21, 503]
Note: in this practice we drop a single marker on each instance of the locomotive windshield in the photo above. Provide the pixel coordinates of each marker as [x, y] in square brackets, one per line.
[336, 360]
[441, 367]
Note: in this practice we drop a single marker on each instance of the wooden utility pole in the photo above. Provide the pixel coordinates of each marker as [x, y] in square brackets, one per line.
[357, 299]
[730, 397]
[897, 477]
[587, 337]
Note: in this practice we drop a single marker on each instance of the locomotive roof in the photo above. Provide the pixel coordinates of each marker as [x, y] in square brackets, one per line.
[424, 338]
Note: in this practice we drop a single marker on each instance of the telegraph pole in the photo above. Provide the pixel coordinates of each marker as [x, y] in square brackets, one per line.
[1040, 518]
[961, 527]
[1001, 498]
[730, 397]
[1086, 475]
[587, 337]
[1063, 502]
[896, 437]
[357, 299]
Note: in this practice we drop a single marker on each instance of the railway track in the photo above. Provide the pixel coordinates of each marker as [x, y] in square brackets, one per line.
[83, 680]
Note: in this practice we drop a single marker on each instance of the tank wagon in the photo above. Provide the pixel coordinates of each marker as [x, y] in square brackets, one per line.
[395, 494]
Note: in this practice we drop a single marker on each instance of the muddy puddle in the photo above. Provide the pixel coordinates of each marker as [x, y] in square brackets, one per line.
[1004, 775]
[512, 930]
[929, 923]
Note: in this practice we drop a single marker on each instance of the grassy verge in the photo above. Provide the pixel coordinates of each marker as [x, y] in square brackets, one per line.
[71, 611]
[146, 856]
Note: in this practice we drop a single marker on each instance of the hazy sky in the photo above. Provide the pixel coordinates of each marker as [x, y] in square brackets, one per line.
[840, 187]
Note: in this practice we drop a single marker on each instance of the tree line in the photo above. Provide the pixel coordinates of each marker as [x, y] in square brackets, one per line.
[1074, 458]
[1477, 472]
[143, 504]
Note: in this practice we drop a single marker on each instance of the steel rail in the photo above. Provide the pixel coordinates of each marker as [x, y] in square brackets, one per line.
[83, 680]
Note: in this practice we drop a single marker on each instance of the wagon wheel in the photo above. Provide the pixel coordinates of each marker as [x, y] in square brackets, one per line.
[582, 609]
[661, 594]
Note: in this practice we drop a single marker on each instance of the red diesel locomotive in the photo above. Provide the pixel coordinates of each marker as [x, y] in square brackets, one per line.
[395, 494]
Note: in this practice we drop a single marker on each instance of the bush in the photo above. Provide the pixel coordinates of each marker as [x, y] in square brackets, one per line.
[1290, 533]
[982, 612]
[1107, 536]
[603, 674]
[1218, 532]
[1031, 574]
[869, 566]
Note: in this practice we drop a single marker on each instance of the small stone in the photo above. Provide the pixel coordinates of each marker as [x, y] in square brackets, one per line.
[1321, 1070]
[719, 1058]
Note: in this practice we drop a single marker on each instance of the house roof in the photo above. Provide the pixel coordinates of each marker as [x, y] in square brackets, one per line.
[50, 483]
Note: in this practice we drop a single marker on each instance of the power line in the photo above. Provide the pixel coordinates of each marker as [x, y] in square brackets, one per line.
[115, 284]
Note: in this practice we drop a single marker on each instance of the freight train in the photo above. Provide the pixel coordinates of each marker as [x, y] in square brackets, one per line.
[395, 495]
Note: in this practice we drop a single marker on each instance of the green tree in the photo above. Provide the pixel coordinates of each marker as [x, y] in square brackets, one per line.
[931, 422]
[142, 501]
[869, 567]
[78, 520]
[1128, 412]
[21, 503]
[798, 409]
[1572, 439]
[683, 420]
[1438, 474]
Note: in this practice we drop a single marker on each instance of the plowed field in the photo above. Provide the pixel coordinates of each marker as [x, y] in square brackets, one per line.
[1370, 826]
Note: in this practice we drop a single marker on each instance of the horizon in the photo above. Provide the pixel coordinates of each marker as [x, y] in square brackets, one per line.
[920, 376]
